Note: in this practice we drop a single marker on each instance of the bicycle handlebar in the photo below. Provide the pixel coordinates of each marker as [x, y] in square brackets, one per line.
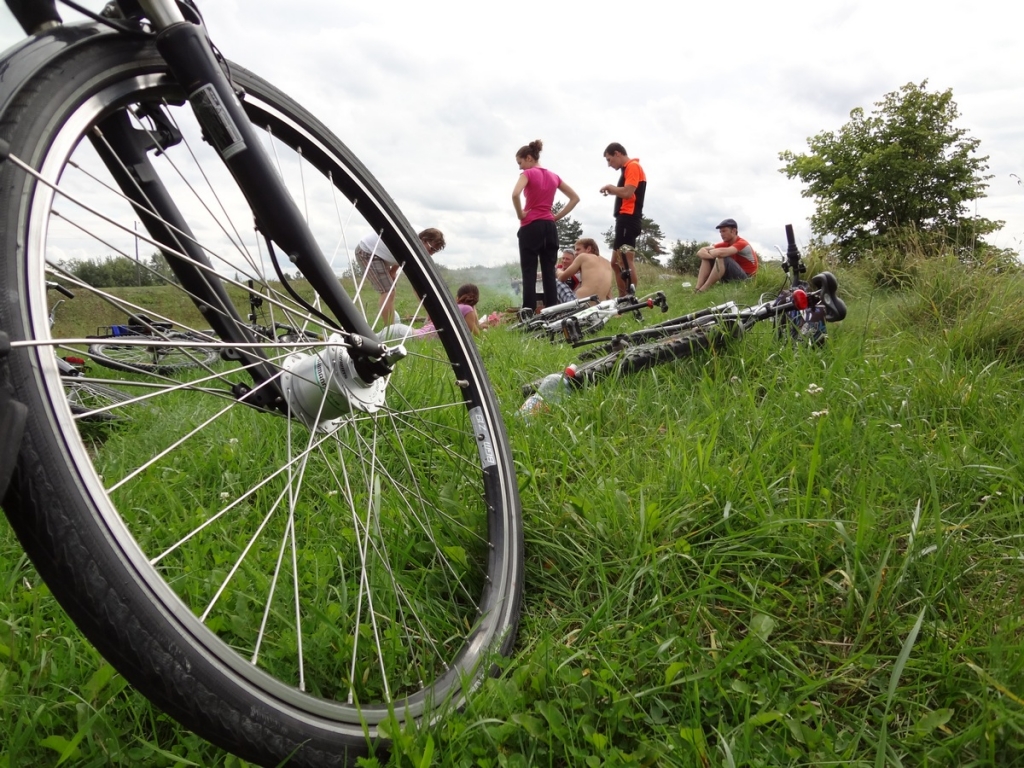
[650, 301]
[576, 303]
[791, 249]
[793, 263]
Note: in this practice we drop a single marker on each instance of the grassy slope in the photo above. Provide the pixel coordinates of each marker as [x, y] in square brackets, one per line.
[763, 557]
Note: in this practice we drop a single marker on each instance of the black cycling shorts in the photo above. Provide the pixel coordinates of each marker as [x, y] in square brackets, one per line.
[627, 230]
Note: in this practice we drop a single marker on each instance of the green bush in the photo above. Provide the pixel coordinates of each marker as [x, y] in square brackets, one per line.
[978, 308]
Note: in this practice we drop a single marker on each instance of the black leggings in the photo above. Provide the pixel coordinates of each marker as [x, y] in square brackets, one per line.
[538, 241]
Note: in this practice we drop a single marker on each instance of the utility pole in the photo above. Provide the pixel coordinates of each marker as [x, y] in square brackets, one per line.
[138, 265]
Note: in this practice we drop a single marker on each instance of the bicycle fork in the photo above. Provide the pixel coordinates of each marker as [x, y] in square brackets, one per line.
[125, 149]
[190, 58]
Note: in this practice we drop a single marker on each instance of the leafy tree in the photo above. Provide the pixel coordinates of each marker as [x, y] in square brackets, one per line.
[905, 167]
[684, 256]
[569, 230]
[160, 270]
[648, 243]
[107, 272]
[121, 271]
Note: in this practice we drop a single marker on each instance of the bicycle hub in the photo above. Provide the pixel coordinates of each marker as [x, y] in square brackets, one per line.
[323, 387]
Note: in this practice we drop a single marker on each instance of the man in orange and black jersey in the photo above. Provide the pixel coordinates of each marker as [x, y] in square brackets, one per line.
[629, 208]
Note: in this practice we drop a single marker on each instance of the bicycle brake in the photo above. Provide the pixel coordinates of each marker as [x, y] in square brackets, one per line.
[164, 133]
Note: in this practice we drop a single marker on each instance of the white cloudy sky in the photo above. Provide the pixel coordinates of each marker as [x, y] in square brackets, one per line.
[436, 97]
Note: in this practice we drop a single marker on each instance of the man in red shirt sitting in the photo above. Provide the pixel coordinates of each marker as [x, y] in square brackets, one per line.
[731, 259]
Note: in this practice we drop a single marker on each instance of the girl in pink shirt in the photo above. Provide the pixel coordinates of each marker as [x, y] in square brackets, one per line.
[538, 236]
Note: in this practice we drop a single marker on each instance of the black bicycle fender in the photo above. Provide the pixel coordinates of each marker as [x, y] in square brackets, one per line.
[20, 62]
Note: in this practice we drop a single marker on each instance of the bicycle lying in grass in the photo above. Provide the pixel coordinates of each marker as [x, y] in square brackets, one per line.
[306, 541]
[90, 400]
[572, 320]
[125, 348]
[592, 319]
[800, 312]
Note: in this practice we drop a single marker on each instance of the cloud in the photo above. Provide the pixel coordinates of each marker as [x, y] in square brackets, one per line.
[435, 99]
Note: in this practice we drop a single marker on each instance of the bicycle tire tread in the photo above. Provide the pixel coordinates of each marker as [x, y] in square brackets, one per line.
[62, 554]
[638, 358]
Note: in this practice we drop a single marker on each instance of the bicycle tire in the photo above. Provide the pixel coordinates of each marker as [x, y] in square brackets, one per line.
[677, 346]
[402, 526]
[94, 403]
[137, 358]
[648, 335]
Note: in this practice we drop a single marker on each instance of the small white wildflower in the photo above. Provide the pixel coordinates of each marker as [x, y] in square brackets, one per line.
[896, 426]
[233, 441]
[224, 494]
[735, 379]
[819, 414]
[332, 493]
[814, 389]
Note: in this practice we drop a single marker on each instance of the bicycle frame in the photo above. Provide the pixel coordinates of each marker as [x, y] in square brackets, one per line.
[192, 62]
[564, 319]
[592, 319]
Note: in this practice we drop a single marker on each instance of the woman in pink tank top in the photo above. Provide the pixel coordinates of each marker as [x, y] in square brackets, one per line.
[538, 236]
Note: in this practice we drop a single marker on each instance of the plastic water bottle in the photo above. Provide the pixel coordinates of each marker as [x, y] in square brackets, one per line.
[551, 388]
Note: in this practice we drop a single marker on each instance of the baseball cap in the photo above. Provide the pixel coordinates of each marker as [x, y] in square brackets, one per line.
[728, 223]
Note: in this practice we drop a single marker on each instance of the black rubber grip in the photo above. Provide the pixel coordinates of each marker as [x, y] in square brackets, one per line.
[791, 250]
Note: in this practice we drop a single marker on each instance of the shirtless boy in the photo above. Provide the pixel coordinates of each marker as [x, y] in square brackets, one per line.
[596, 274]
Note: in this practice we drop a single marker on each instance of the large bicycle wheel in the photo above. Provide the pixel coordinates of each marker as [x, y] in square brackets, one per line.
[142, 358]
[282, 586]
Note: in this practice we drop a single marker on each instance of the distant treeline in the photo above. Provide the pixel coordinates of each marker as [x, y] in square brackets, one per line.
[120, 271]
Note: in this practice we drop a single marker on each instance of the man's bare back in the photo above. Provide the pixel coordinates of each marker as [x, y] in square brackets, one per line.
[596, 274]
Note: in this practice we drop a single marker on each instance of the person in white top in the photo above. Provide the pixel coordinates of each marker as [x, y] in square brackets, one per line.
[381, 268]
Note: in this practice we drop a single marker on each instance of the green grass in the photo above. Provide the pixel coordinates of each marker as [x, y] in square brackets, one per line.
[765, 556]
